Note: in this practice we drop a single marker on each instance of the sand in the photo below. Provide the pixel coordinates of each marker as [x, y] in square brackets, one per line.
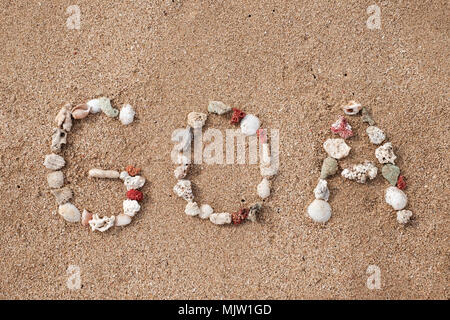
[293, 65]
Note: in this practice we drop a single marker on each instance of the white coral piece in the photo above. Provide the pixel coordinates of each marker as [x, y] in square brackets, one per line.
[220, 218]
[336, 148]
[321, 191]
[361, 172]
[385, 153]
[135, 183]
[376, 135]
[131, 207]
[183, 189]
[101, 224]
[127, 114]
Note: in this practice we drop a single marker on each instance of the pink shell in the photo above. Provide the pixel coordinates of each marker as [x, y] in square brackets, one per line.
[80, 111]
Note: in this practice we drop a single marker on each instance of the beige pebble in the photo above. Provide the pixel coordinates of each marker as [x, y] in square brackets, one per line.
[55, 179]
[122, 220]
[205, 211]
[192, 209]
[69, 212]
[62, 195]
[220, 218]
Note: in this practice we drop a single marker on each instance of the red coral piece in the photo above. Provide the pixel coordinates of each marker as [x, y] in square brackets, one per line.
[240, 216]
[401, 183]
[342, 128]
[237, 115]
[132, 171]
[135, 195]
[262, 135]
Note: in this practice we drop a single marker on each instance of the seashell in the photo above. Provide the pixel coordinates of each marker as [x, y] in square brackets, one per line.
[127, 114]
[54, 162]
[64, 119]
[131, 207]
[218, 107]
[183, 138]
[254, 211]
[390, 173]
[135, 183]
[205, 211]
[263, 189]
[342, 128]
[329, 167]
[59, 138]
[183, 189]
[69, 212]
[321, 191]
[105, 106]
[376, 135]
[361, 172]
[192, 209]
[366, 117]
[220, 218]
[55, 179]
[336, 148]
[62, 195]
[180, 172]
[385, 153]
[396, 198]
[104, 174]
[196, 120]
[95, 105]
[352, 108]
[319, 211]
[122, 220]
[101, 224]
[80, 111]
[86, 216]
[249, 125]
[123, 175]
[403, 216]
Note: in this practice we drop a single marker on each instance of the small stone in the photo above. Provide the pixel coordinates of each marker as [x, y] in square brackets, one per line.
[64, 118]
[135, 183]
[69, 212]
[329, 167]
[263, 189]
[352, 108]
[59, 138]
[86, 216]
[62, 195]
[366, 117]
[239, 216]
[404, 216]
[390, 173]
[205, 211]
[342, 128]
[361, 172]
[180, 172]
[237, 116]
[249, 125]
[192, 209]
[122, 220]
[101, 224]
[183, 189]
[319, 211]
[127, 114]
[54, 162]
[105, 106]
[220, 218]
[55, 179]
[254, 211]
[396, 198]
[80, 111]
[376, 135]
[218, 107]
[197, 120]
[385, 153]
[130, 207]
[321, 191]
[336, 148]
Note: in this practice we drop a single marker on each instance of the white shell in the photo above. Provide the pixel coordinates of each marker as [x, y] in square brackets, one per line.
[62, 195]
[352, 108]
[54, 162]
[122, 220]
[197, 119]
[127, 114]
[136, 182]
[220, 218]
[321, 191]
[361, 172]
[319, 211]
[192, 209]
[95, 105]
[249, 125]
[104, 174]
[376, 135]
[385, 153]
[336, 148]
[205, 211]
[403, 216]
[85, 217]
[263, 189]
[101, 224]
[131, 207]
[69, 212]
[396, 198]
[55, 179]
[218, 107]
[183, 189]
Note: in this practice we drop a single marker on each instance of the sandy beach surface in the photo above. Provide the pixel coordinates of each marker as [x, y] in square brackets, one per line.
[292, 64]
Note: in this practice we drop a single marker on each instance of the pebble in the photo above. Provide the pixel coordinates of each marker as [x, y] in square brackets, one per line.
[385, 153]
[352, 108]
[55, 179]
[131, 207]
[63, 118]
[192, 209]
[336, 148]
[404, 216]
[249, 125]
[220, 218]
[205, 211]
[127, 114]
[196, 120]
[321, 191]
[62, 195]
[263, 189]
[319, 211]
[342, 128]
[69, 212]
[218, 107]
[104, 174]
[366, 117]
[80, 111]
[54, 162]
[122, 220]
[376, 135]
[390, 173]
[329, 167]
[105, 106]
[396, 198]
[101, 224]
[59, 138]
[135, 183]
[180, 172]
[254, 211]
[86, 216]
[361, 172]
[95, 105]
[183, 189]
